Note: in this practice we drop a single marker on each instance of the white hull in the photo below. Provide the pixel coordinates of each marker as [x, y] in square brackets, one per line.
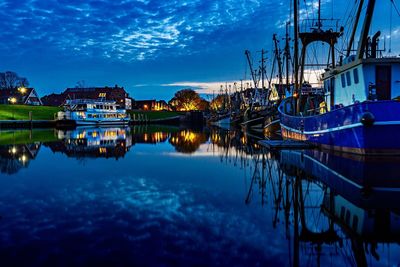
[103, 122]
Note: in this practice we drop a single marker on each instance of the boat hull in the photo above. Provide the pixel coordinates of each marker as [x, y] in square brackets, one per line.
[108, 122]
[362, 128]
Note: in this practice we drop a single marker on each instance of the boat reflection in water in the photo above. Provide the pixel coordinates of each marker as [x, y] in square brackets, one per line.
[15, 157]
[93, 142]
[312, 207]
[336, 208]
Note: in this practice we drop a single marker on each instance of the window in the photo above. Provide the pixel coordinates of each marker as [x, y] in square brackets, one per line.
[348, 78]
[355, 73]
[343, 80]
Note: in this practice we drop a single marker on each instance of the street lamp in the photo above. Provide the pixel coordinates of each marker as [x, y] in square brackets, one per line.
[12, 100]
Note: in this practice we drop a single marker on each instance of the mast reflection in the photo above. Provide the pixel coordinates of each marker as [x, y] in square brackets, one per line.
[334, 207]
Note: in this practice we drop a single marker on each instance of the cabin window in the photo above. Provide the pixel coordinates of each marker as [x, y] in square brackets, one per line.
[343, 80]
[348, 78]
[355, 73]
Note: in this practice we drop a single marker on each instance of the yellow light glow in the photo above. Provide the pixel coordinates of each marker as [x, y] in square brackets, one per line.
[22, 90]
[13, 150]
[12, 100]
[24, 158]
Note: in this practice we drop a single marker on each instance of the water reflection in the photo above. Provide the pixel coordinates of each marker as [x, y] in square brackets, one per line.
[93, 142]
[307, 207]
[187, 141]
[15, 157]
[335, 208]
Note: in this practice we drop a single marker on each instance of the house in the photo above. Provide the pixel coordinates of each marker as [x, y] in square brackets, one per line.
[115, 93]
[55, 100]
[20, 95]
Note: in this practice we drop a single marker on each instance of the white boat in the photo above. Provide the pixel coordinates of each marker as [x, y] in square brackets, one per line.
[93, 112]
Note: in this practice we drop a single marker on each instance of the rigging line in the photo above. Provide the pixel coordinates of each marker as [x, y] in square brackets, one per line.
[391, 21]
[395, 7]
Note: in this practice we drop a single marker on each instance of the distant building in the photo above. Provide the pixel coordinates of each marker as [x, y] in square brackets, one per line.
[53, 100]
[115, 93]
[151, 105]
[21, 95]
[145, 104]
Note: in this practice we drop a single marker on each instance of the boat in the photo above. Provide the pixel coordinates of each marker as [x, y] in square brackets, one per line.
[358, 111]
[93, 112]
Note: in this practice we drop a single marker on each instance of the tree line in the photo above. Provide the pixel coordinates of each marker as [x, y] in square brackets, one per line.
[11, 80]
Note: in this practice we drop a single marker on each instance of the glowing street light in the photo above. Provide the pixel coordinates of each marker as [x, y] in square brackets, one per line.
[22, 90]
[12, 100]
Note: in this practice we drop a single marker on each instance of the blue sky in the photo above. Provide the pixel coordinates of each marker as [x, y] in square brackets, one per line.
[150, 47]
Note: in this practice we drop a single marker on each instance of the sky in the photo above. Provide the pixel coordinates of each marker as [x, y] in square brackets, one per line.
[153, 47]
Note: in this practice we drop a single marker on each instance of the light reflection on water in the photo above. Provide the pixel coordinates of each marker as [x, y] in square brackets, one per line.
[168, 196]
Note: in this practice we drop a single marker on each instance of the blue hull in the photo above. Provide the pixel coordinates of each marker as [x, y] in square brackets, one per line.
[342, 129]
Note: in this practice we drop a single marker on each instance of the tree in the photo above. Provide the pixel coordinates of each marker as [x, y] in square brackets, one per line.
[218, 103]
[11, 80]
[187, 100]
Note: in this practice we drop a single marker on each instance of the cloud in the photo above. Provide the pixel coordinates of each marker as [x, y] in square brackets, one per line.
[131, 30]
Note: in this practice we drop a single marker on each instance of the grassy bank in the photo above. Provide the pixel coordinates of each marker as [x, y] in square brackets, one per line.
[155, 115]
[21, 112]
[16, 137]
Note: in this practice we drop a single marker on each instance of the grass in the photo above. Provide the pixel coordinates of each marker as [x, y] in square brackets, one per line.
[154, 115]
[21, 112]
[16, 137]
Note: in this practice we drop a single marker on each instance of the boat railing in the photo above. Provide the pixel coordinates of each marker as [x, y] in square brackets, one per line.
[319, 25]
[89, 101]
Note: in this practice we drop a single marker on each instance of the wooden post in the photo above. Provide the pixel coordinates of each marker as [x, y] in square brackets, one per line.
[30, 119]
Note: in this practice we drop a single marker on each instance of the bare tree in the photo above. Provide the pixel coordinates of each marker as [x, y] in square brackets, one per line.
[23, 82]
[11, 80]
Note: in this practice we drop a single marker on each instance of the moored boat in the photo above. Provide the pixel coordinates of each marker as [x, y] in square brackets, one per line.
[93, 112]
[359, 111]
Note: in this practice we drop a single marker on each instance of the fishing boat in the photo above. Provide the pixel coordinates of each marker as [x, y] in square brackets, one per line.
[358, 111]
[93, 112]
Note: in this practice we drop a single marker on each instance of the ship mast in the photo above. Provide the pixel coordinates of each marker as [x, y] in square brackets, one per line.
[365, 30]
[253, 74]
[263, 52]
[353, 33]
[278, 58]
[287, 55]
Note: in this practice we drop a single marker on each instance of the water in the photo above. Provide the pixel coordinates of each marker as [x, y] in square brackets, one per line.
[169, 196]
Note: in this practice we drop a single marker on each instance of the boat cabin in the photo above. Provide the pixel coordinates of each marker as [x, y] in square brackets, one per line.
[90, 105]
[361, 80]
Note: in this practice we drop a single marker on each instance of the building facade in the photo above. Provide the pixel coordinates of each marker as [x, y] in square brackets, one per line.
[21, 96]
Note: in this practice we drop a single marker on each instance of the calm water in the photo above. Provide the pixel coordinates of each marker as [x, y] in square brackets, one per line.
[165, 196]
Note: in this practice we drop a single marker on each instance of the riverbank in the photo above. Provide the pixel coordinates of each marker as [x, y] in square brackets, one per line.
[27, 113]
[23, 116]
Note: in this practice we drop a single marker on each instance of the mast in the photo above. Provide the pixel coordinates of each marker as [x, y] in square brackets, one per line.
[296, 45]
[263, 69]
[253, 75]
[296, 54]
[278, 58]
[366, 26]
[287, 54]
[353, 33]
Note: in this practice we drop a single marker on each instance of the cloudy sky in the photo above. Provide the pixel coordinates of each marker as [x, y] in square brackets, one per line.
[151, 47]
